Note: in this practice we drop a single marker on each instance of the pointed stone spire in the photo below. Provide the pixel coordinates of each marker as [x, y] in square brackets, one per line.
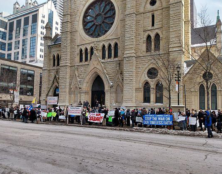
[218, 15]
[48, 34]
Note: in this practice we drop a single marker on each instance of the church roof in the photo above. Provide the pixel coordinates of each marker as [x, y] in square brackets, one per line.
[58, 40]
[203, 34]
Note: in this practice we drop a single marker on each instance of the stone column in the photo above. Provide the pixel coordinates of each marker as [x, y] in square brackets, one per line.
[129, 54]
[64, 73]
[176, 43]
[46, 67]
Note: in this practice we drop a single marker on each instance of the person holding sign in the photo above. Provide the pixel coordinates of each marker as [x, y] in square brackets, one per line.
[193, 121]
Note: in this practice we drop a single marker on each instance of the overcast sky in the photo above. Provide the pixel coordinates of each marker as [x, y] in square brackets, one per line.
[212, 6]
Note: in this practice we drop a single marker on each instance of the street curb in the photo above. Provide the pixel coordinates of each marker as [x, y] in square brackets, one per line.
[163, 131]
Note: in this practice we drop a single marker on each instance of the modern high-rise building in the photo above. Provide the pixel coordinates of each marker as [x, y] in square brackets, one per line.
[59, 7]
[21, 34]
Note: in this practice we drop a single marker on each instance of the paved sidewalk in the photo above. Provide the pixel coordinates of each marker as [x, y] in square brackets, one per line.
[136, 129]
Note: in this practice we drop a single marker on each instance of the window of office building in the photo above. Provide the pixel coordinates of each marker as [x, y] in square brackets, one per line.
[2, 55]
[17, 44]
[8, 78]
[18, 28]
[26, 26]
[34, 24]
[16, 55]
[32, 46]
[2, 46]
[24, 48]
[50, 19]
[3, 24]
[9, 56]
[2, 35]
[10, 46]
[11, 28]
[27, 82]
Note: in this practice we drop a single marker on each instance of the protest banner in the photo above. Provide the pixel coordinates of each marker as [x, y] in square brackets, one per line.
[160, 120]
[192, 121]
[52, 100]
[96, 117]
[111, 113]
[139, 119]
[77, 111]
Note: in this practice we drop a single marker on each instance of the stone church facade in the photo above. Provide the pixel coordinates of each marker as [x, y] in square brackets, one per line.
[107, 52]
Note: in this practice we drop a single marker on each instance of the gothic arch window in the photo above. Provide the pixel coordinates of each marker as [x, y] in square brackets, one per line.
[54, 61]
[146, 93]
[109, 51]
[91, 52]
[148, 44]
[58, 61]
[157, 42]
[86, 55]
[116, 50]
[159, 92]
[104, 52]
[213, 97]
[202, 97]
[80, 56]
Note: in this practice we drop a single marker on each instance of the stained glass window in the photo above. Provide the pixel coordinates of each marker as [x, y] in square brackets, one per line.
[213, 97]
[202, 97]
[99, 18]
[146, 93]
[149, 44]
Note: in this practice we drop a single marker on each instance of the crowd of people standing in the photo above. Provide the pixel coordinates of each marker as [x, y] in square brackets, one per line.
[207, 120]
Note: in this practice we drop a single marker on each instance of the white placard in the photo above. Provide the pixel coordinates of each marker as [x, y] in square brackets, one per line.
[52, 100]
[7, 109]
[21, 107]
[139, 119]
[44, 114]
[77, 111]
[192, 121]
[44, 107]
[181, 118]
[111, 113]
[62, 117]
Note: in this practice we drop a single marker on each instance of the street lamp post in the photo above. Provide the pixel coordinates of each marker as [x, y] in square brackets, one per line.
[177, 79]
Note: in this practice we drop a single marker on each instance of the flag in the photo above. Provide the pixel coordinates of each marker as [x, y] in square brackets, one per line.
[30, 107]
[34, 100]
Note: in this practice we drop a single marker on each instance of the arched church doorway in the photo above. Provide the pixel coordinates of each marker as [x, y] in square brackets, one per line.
[98, 92]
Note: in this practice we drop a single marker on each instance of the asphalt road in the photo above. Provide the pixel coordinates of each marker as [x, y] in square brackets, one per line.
[41, 149]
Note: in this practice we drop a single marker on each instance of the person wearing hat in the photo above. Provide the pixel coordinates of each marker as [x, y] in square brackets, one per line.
[208, 124]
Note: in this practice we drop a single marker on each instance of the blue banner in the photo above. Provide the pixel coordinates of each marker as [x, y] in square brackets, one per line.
[159, 120]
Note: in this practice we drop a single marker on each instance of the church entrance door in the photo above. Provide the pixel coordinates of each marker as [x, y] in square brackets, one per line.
[98, 92]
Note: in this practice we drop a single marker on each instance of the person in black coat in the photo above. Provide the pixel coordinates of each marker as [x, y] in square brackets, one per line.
[133, 117]
[116, 115]
[32, 115]
[25, 115]
[201, 119]
[128, 117]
